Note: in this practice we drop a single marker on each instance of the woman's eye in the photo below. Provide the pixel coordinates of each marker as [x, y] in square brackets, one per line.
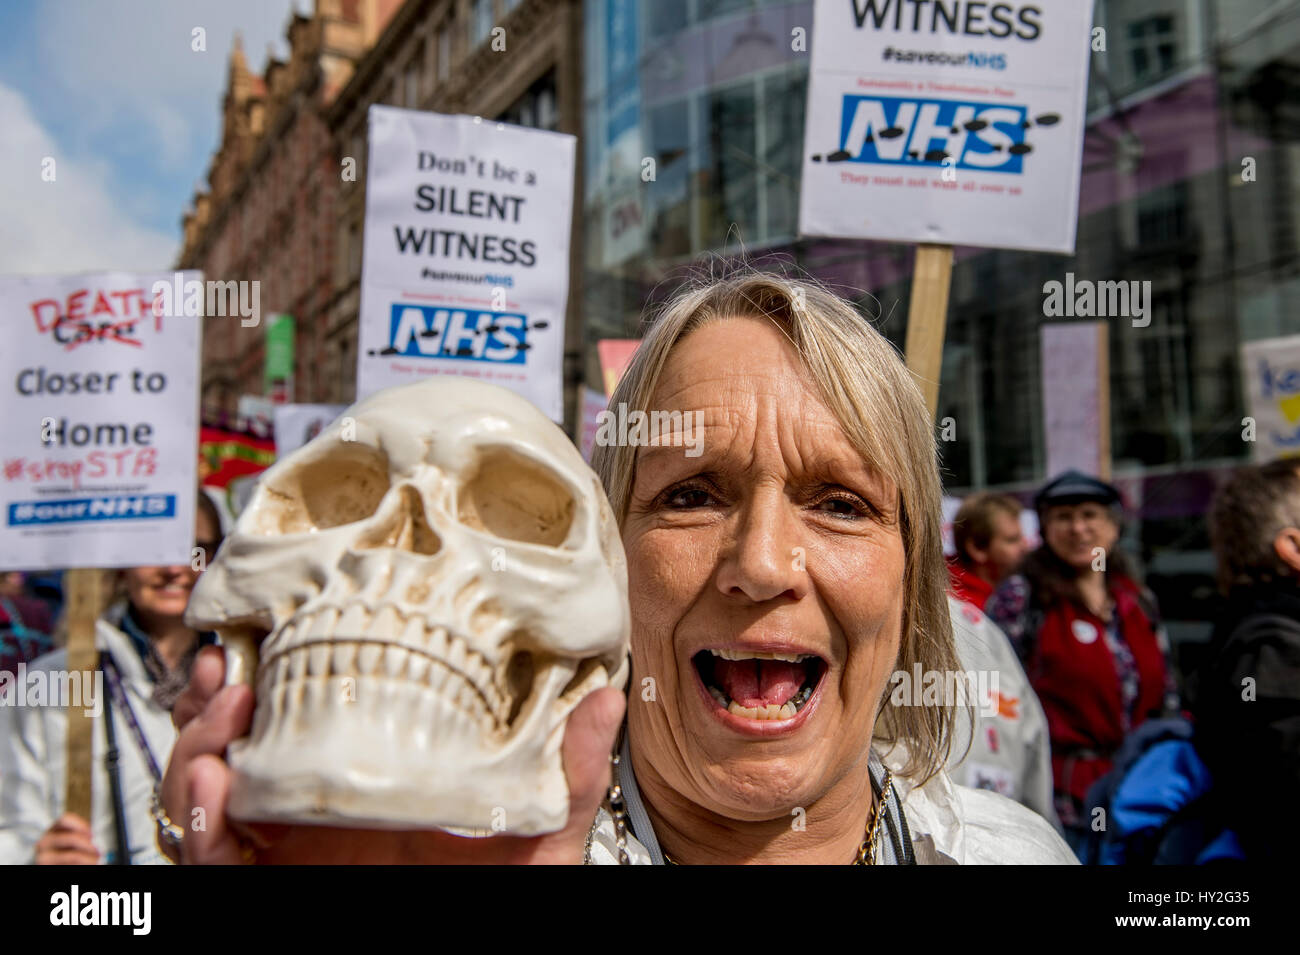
[841, 507]
[688, 497]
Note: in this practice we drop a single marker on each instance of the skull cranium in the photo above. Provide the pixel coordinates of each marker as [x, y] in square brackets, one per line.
[439, 581]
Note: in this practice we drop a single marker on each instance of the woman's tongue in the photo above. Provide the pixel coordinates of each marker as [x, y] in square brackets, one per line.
[755, 683]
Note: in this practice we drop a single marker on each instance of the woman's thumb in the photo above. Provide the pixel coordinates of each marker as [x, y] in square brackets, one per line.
[588, 741]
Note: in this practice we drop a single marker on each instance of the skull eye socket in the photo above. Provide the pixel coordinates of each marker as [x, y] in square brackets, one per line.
[342, 488]
[512, 497]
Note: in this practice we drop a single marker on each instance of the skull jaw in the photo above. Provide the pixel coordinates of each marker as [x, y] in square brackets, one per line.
[402, 758]
[303, 786]
[338, 798]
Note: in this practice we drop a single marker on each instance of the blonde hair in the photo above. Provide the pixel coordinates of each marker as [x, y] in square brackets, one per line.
[862, 380]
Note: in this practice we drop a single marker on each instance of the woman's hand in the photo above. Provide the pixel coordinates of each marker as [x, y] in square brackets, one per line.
[67, 842]
[210, 716]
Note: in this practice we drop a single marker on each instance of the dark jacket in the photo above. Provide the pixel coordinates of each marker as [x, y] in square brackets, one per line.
[1247, 709]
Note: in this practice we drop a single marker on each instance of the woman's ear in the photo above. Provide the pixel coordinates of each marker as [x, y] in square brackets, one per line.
[1287, 546]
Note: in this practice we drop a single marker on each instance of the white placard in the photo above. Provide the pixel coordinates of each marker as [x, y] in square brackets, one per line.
[99, 440]
[1071, 397]
[466, 255]
[949, 122]
[297, 424]
[1270, 371]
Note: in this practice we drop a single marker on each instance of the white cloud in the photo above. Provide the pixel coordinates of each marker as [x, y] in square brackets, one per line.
[75, 223]
[131, 114]
[133, 66]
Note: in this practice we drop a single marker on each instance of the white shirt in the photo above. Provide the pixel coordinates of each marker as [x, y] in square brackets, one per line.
[33, 759]
[949, 824]
[1010, 751]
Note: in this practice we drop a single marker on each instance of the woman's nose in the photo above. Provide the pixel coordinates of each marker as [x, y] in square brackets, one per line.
[764, 559]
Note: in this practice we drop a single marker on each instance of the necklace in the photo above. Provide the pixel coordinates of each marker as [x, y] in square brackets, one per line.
[866, 854]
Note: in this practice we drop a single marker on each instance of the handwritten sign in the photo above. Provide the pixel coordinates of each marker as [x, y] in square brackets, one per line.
[100, 433]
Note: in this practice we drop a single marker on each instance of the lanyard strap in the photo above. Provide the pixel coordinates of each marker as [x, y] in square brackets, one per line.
[118, 694]
[16, 624]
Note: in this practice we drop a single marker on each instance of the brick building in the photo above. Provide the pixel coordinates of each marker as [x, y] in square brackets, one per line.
[279, 208]
[268, 214]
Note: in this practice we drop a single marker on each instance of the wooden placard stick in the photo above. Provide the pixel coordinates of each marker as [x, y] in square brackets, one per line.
[927, 318]
[84, 592]
[1103, 401]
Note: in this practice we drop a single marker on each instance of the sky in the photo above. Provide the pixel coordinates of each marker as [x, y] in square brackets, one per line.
[115, 94]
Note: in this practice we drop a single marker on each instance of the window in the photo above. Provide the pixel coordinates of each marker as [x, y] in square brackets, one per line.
[480, 22]
[428, 68]
[411, 80]
[444, 53]
[710, 9]
[784, 96]
[536, 108]
[1162, 215]
[1151, 46]
[668, 204]
[730, 134]
[354, 251]
[670, 17]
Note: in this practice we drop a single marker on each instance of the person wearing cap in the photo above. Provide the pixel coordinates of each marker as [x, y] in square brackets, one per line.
[1088, 634]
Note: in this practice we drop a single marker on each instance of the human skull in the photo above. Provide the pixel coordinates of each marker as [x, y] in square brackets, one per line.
[436, 581]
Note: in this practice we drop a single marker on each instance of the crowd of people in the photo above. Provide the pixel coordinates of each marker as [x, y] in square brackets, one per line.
[1088, 727]
[1141, 761]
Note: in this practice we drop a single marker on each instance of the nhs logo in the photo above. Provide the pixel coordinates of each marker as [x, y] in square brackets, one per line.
[87, 509]
[985, 137]
[426, 331]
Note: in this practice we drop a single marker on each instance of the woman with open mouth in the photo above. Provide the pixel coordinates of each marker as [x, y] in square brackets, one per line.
[780, 574]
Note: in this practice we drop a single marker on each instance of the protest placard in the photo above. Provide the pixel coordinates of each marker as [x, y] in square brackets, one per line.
[466, 254]
[953, 123]
[1270, 372]
[296, 424]
[100, 434]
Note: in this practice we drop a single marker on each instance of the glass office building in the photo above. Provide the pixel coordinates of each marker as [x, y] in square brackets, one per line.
[693, 135]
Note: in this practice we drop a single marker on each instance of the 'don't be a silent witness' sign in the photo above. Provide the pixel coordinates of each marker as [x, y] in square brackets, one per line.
[466, 254]
[99, 439]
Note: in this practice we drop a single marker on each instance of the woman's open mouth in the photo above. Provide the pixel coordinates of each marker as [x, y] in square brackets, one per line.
[759, 686]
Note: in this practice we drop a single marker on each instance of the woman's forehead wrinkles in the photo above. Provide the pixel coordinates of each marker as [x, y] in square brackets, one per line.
[769, 436]
[707, 387]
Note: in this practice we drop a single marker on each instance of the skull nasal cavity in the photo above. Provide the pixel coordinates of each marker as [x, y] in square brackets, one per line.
[408, 529]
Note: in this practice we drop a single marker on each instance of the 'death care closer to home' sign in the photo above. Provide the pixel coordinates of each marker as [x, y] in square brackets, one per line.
[99, 437]
[466, 254]
[954, 122]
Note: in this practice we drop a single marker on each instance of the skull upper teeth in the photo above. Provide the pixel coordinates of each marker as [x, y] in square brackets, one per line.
[755, 655]
[309, 648]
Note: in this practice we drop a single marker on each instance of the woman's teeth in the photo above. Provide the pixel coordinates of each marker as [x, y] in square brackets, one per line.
[769, 712]
[772, 711]
[750, 655]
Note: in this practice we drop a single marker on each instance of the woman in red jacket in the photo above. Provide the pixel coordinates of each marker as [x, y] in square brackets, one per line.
[1088, 635]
